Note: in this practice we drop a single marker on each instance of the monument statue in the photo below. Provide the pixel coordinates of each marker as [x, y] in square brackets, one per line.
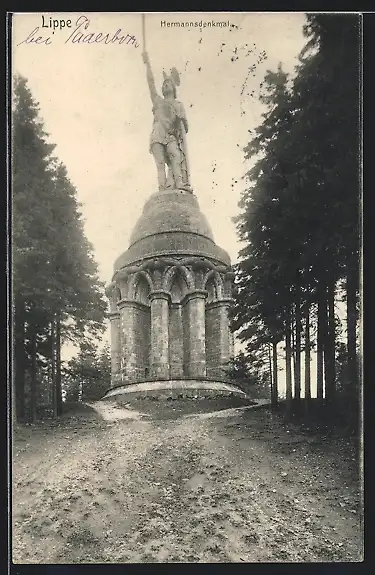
[171, 289]
[168, 136]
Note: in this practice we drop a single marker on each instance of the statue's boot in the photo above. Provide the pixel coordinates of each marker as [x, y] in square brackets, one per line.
[186, 188]
[181, 185]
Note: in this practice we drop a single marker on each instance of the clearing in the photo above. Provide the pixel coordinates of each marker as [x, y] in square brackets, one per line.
[180, 482]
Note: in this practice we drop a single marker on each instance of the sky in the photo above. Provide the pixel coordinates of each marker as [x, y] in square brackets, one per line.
[95, 105]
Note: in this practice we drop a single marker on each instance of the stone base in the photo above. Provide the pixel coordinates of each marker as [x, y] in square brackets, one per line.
[176, 388]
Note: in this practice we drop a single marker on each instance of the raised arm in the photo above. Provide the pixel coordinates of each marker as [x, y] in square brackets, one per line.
[150, 77]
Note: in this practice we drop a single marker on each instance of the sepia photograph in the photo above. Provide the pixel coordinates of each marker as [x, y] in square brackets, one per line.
[185, 276]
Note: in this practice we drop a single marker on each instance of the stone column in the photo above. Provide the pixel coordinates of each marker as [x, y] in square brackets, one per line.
[114, 318]
[127, 331]
[197, 334]
[176, 357]
[159, 361]
[231, 344]
[224, 335]
[212, 328]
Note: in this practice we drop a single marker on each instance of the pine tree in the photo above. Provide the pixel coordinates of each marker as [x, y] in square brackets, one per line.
[56, 291]
[299, 219]
[88, 373]
[263, 274]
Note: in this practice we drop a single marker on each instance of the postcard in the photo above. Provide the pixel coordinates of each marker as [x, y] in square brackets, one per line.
[185, 383]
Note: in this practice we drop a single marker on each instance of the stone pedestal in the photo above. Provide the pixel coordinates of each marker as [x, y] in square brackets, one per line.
[172, 321]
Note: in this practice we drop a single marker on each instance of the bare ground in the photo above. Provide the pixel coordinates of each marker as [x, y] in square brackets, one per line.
[106, 484]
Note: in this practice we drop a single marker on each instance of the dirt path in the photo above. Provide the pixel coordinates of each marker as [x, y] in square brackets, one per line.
[113, 485]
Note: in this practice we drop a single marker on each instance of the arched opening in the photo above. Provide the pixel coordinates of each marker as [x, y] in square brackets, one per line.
[114, 299]
[177, 337]
[115, 336]
[117, 294]
[212, 323]
[211, 289]
[142, 291]
[142, 328]
[179, 288]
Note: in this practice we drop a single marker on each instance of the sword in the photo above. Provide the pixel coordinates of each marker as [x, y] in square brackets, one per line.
[144, 32]
[185, 152]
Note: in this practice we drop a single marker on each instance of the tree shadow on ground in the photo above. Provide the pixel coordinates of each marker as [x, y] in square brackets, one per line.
[174, 408]
[79, 417]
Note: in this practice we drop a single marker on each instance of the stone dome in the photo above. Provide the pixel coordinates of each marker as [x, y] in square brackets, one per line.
[176, 211]
[171, 224]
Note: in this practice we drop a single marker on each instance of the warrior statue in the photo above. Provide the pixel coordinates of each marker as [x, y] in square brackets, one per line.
[168, 136]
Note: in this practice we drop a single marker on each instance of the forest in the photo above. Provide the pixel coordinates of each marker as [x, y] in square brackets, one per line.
[300, 224]
[57, 296]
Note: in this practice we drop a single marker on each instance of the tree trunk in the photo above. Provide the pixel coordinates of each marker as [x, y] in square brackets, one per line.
[351, 315]
[307, 356]
[288, 366]
[13, 394]
[270, 365]
[326, 353]
[293, 350]
[297, 380]
[33, 375]
[19, 360]
[19, 375]
[329, 351]
[274, 391]
[53, 369]
[320, 345]
[58, 368]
